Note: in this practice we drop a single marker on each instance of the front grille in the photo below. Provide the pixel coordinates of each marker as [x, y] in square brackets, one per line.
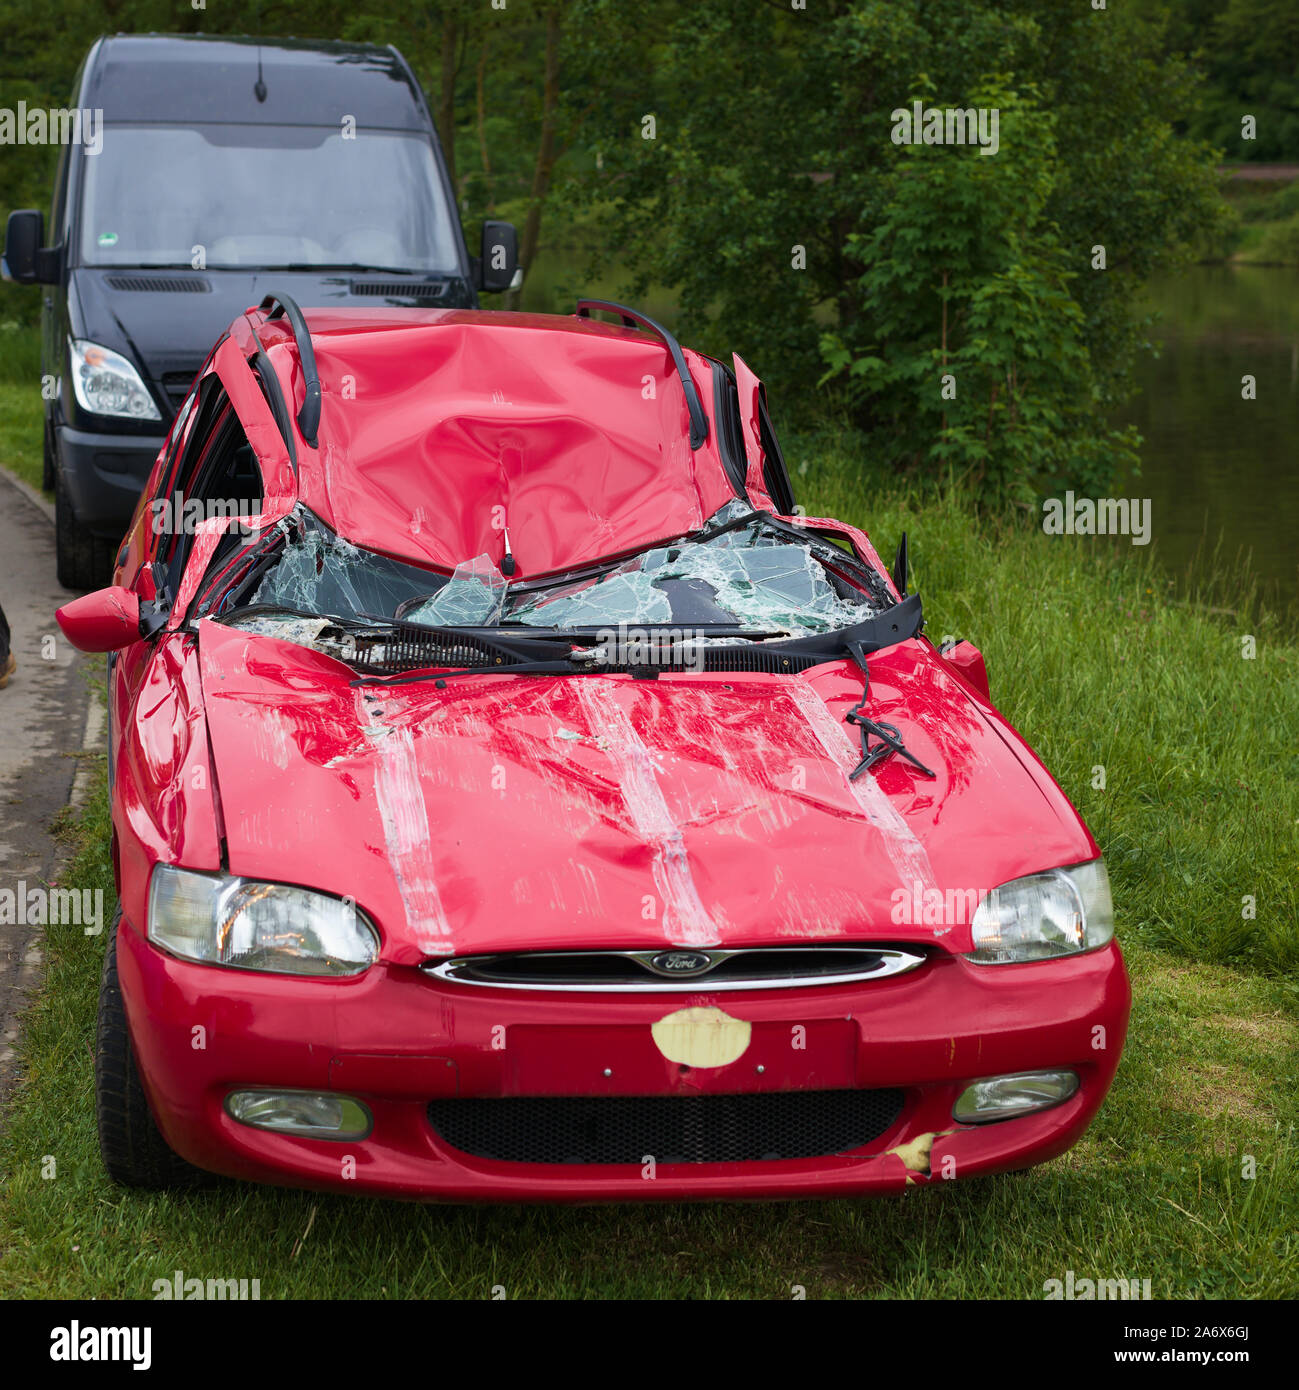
[671, 1129]
[762, 967]
[176, 385]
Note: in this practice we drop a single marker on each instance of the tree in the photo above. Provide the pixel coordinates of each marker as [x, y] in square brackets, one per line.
[774, 200]
[547, 147]
[1247, 52]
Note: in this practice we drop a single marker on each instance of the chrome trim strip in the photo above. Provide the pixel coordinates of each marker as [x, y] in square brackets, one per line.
[891, 962]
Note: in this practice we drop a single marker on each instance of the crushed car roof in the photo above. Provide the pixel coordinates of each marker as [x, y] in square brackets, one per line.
[442, 428]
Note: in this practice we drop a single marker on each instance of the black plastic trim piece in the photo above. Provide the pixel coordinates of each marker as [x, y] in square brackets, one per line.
[277, 305]
[775, 474]
[730, 439]
[884, 629]
[900, 573]
[633, 318]
[275, 399]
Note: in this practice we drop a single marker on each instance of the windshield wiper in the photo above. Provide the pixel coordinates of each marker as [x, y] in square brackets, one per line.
[353, 265]
[890, 740]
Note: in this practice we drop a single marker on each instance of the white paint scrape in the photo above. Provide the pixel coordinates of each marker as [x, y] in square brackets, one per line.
[404, 815]
[686, 921]
[905, 852]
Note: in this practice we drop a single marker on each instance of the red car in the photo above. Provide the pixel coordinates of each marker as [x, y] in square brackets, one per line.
[515, 797]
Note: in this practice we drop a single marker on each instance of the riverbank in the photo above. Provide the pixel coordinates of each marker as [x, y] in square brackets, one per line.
[1262, 223]
[1216, 409]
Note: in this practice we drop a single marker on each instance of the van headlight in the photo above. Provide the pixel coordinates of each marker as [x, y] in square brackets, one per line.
[1059, 913]
[240, 922]
[107, 384]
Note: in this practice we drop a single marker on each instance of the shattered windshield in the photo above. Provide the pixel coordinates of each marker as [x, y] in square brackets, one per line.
[316, 571]
[742, 573]
[748, 576]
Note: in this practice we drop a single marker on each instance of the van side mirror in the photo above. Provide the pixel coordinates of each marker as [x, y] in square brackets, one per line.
[103, 621]
[26, 260]
[499, 265]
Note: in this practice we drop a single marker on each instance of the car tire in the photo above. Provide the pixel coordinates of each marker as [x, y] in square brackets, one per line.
[84, 560]
[134, 1151]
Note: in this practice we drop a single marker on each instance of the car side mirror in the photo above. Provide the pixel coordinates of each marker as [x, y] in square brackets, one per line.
[26, 259]
[499, 266]
[104, 621]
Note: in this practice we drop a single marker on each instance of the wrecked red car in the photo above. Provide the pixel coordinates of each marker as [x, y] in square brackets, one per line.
[515, 797]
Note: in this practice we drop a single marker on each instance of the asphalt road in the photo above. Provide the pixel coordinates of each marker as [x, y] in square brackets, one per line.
[43, 712]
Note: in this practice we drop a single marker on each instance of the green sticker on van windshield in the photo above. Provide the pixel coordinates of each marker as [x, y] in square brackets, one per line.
[108, 238]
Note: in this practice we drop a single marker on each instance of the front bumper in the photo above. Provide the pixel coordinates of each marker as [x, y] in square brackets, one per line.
[104, 474]
[397, 1040]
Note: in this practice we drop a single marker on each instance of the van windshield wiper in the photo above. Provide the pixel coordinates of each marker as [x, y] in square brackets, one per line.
[354, 265]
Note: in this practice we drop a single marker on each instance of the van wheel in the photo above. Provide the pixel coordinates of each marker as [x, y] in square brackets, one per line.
[84, 561]
[133, 1150]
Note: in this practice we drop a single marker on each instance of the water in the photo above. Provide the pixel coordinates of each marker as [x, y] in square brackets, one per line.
[1216, 466]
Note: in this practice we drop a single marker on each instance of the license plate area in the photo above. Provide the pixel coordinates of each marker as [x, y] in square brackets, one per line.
[624, 1060]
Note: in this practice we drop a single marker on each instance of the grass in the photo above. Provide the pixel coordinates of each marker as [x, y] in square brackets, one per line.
[21, 411]
[1277, 243]
[1097, 666]
[1111, 670]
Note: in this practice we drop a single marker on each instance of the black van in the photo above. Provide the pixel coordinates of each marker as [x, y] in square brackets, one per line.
[224, 167]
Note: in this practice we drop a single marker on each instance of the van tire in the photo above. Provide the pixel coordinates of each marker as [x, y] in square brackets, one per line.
[134, 1151]
[84, 561]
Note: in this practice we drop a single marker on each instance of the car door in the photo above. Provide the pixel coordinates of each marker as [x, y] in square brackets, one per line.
[143, 559]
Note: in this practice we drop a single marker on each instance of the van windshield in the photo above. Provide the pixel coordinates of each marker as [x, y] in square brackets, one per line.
[265, 196]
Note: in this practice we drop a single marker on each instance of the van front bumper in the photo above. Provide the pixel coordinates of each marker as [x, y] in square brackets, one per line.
[103, 475]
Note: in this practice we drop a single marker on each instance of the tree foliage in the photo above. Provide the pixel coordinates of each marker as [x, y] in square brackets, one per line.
[1248, 54]
[738, 156]
[775, 200]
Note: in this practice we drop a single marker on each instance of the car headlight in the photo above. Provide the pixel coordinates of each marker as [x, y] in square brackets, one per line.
[107, 384]
[222, 920]
[1059, 913]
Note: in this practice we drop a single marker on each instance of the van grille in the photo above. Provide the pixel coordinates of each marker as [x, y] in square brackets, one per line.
[400, 289]
[175, 385]
[753, 1128]
[160, 284]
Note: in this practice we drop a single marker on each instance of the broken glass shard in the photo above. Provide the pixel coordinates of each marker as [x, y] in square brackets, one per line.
[472, 598]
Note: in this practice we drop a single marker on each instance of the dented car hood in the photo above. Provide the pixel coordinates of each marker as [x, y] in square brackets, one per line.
[521, 813]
